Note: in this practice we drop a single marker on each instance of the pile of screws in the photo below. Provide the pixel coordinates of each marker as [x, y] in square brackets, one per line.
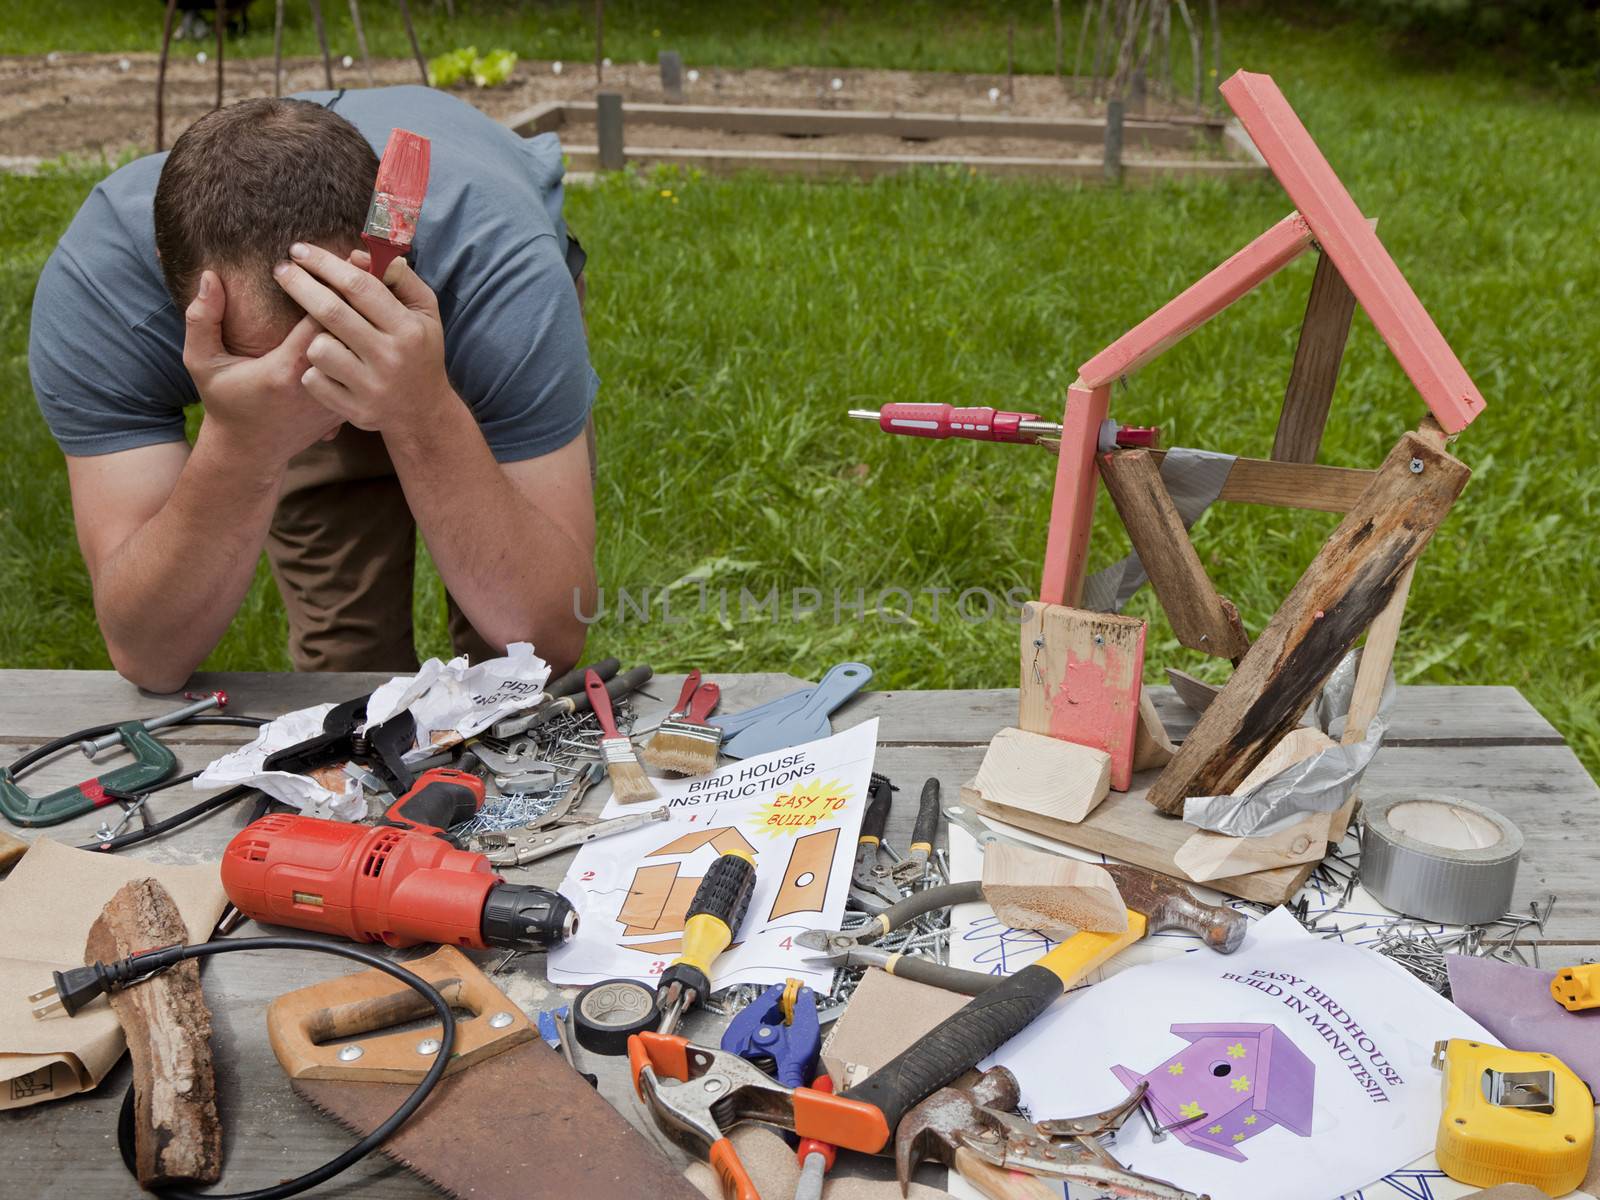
[565, 749]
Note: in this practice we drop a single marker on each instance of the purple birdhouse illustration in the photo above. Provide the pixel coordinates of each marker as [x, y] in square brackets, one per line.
[1230, 1084]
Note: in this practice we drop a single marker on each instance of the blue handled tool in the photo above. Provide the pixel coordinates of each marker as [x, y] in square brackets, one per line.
[791, 1040]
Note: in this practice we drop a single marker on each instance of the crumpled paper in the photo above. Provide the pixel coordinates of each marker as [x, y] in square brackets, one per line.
[244, 766]
[47, 905]
[449, 701]
[452, 701]
[1319, 784]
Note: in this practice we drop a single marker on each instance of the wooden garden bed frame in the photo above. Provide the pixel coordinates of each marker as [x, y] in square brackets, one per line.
[567, 115]
[1081, 670]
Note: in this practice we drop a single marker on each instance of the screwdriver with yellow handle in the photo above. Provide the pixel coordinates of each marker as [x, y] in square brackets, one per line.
[715, 915]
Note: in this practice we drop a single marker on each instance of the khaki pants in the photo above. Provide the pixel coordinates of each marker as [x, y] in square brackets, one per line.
[343, 551]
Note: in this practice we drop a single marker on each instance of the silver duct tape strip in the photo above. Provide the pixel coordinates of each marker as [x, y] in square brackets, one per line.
[1466, 885]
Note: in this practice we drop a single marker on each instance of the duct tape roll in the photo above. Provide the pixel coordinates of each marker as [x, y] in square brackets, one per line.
[1439, 858]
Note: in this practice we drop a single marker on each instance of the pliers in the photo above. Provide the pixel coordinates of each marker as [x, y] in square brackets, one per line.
[780, 1027]
[870, 888]
[853, 948]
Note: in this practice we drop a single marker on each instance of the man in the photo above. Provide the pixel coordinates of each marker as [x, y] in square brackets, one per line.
[341, 412]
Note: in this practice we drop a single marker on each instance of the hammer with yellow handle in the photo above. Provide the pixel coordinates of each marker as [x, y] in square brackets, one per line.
[988, 1021]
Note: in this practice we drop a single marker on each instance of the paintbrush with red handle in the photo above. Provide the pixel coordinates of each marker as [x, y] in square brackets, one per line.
[397, 199]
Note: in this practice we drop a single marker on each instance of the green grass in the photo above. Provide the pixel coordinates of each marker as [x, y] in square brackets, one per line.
[734, 323]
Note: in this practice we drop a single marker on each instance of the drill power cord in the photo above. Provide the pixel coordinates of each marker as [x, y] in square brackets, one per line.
[76, 987]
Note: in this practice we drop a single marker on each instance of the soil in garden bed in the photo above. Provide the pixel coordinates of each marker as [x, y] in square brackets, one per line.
[89, 105]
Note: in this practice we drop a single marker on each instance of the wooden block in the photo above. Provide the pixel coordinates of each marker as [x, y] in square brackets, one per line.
[886, 1015]
[11, 849]
[1205, 298]
[1126, 827]
[1353, 577]
[177, 1133]
[1072, 502]
[1208, 855]
[1343, 235]
[1041, 774]
[1080, 680]
[1151, 745]
[1029, 889]
[1317, 355]
[1201, 619]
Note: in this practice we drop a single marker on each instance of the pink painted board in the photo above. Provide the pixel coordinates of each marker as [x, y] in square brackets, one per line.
[1344, 235]
[1072, 503]
[1081, 675]
[1204, 299]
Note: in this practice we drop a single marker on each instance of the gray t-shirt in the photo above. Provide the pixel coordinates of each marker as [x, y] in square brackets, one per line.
[106, 345]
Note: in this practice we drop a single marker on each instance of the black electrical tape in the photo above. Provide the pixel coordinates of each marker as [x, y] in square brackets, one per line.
[292, 1187]
[606, 1014]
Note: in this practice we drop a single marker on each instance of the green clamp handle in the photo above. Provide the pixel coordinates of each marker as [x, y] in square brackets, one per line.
[152, 763]
[961, 1041]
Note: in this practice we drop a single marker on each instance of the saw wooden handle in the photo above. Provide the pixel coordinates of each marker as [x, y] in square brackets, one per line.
[313, 1030]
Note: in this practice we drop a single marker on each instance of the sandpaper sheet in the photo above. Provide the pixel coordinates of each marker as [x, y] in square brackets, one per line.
[520, 1124]
[47, 905]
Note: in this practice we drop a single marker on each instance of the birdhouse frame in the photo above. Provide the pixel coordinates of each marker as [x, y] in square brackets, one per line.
[1081, 670]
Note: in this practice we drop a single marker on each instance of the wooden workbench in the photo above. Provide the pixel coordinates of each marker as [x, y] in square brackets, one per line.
[1484, 743]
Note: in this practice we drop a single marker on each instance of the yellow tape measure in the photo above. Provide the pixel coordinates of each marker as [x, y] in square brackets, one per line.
[1512, 1117]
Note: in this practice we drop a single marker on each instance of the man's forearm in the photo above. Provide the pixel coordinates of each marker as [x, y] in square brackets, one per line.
[165, 597]
[512, 568]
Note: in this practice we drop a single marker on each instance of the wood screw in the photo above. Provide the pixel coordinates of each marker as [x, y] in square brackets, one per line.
[428, 1046]
[1416, 466]
[350, 1053]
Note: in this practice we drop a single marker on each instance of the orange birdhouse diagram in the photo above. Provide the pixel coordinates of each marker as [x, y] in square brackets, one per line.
[664, 883]
[795, 813]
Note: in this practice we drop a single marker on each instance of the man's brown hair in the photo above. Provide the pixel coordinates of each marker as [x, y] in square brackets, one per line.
[246, 181]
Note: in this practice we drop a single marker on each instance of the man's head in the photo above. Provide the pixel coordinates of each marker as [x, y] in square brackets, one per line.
[239, 186]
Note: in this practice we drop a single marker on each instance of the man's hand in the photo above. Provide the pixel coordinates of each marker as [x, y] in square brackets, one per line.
[379, 362]
[258, 403]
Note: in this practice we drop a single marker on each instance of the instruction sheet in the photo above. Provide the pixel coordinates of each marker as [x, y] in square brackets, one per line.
[798, 811]
[1295, 1067]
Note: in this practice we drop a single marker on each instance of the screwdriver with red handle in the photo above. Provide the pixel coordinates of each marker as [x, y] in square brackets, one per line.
[983, 424]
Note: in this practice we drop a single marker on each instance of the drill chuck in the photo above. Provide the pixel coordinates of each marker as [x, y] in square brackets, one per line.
[523, 917]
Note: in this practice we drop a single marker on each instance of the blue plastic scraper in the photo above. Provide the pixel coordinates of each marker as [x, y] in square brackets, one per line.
[808, 722]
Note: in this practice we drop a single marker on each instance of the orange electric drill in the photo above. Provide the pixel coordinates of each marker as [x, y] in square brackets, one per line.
[401, 882]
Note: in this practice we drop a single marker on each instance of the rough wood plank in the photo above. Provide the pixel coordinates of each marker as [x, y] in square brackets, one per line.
[1042, 774]
[1208, 855]
[1183, 314]
[1347, 584]
[1081, 680]
[1317, 356]
[542, 118]
[816, 122]
[1201, 619]
[831, 164]
[1345, 237]
[1151, 745]
[1072, 496]
[11, 849]
[1029, 889]
[1126, 827]
[1293, 485]
[177, 1135]
[1282, 485]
